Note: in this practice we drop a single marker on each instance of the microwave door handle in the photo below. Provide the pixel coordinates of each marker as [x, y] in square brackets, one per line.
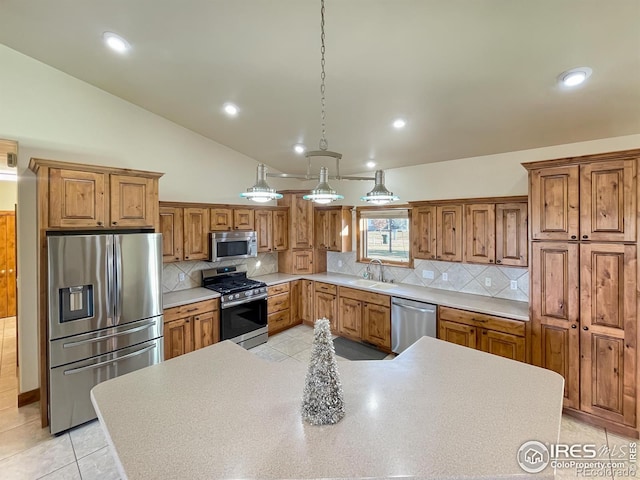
[107, 362]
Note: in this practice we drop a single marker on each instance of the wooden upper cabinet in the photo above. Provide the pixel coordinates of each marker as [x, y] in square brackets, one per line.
[300, 218]
[133, 201]
[264, 227]
[511, 234]
[322, 235]
[332, 229]
[221, 219]
[449, 233]
[423, 225]
[196, 233]
[77, 198]
[171, 225]
[479, 228]
[608, 335]
[608, 201]
[555, 313]
[554, 203]
[243, 219]
[280, 230]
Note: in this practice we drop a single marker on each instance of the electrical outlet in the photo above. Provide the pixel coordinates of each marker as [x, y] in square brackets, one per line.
[427, 274]
[514, 284]
[487, 281]
[181, 277]
[340, 263]
[445, 277]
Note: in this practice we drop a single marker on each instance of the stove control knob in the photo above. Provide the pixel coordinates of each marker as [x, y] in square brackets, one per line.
[237, 295]
[248, 293]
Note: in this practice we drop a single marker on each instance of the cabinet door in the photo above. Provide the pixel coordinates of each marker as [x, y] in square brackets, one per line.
[457, 333]
[480, 233]
[302, 261]
[4, 303]
[350, 318]
[608, 201]
[278, 321]
[133, 201]
[334, 221]
[243, 219]
[280, 230]
[554, 308]
[264, 227]
[206, 329]
[511, 234]
[608, 338]
[302, 220]
[321, 229]
[171, 229]
[423, 223]
[196, 233]
[325, 307]
[221, 219]
[307, 302]
[177, 338]
[376, 325]
[77, 199]
[449, 233]
[554, 203]
[11, 265]
[502, 344]
[295, 301]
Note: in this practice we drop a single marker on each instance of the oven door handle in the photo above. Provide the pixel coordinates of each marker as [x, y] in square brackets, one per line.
[243, 301]
[104, 337]
[107, 362]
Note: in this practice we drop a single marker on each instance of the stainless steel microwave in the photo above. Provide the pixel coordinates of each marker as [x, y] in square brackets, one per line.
[233, 245]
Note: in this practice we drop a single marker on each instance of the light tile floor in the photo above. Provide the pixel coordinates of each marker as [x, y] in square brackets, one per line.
[30, 452]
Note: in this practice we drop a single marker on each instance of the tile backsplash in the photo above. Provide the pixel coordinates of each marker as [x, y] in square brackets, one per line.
[461, 277]
[263, 264]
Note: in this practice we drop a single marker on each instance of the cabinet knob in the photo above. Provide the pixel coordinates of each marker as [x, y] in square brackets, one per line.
[99, 223]
[585, 328]
[490, 261]
[573, 237]
[2, 272]
[585, 236]
[186, 258]
[115, 223]
[177, 258]
[574, 326]
[498, 261]
[11, 270]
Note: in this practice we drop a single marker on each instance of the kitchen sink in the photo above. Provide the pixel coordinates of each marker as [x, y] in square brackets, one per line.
[371, 284]
[382, 286]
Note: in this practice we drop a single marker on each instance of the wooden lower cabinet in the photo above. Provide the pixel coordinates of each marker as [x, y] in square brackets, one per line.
[306, 302]
[190, 327]
[496, 335]
[365, 316]
[279, 308]
[326, 304]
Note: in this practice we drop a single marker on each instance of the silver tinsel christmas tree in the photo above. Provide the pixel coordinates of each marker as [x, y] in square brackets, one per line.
[322, 400]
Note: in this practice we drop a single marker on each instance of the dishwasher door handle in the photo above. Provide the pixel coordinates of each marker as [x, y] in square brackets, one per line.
[409, 307]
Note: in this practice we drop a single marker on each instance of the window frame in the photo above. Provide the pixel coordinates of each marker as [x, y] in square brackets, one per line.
[360, 231]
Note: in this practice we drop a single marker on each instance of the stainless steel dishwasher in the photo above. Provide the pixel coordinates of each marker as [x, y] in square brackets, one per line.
[411, 320]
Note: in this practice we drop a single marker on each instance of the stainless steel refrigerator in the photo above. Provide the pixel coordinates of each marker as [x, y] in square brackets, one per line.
[105, 316]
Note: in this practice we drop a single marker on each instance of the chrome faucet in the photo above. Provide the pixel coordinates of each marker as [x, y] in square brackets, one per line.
[379, 262]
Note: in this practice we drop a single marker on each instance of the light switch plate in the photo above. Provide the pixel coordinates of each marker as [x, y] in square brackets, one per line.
[427, 274]
[514, 284]
[181, 277]
[487, 281]
[340, 263]
[445, 277]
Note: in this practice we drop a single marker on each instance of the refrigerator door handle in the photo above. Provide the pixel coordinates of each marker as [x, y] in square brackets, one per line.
[110, 283]
[113, 360]
[118, 278]
[104, 337]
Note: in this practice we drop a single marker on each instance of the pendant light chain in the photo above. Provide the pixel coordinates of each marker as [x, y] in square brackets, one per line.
[323, 140]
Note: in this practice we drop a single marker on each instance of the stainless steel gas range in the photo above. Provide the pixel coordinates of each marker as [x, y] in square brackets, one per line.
[243, 305]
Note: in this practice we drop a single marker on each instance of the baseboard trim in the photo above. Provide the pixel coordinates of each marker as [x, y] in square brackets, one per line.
[25, 398]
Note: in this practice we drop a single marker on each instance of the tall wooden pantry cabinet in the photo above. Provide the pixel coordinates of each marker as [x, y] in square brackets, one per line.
[584, 283]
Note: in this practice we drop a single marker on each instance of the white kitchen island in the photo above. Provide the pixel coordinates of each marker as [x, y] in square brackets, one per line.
[437, 411]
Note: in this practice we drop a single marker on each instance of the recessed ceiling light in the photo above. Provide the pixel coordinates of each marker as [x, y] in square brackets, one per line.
[371, 164]
[575, 76]
[399, 123]
[230, 109]
[116, 42]
[299, 148]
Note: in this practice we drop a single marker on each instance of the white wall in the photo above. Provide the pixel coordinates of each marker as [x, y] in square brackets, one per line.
[8, 195]
[55, 116]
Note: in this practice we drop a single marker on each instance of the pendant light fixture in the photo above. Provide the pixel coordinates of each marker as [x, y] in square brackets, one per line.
[379, 195]
[323, 193]
[261, 192]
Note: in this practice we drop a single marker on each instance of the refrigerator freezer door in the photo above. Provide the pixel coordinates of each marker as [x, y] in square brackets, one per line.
[138, 272]
[80, 296]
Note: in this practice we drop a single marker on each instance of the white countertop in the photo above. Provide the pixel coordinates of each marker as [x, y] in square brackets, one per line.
[183, 297]
[437, 411]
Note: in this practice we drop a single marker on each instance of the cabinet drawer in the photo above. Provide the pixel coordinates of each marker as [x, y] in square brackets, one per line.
[514, 327]
[276, 289]
[190, 309]
[326, 287]
[278, 321]
[366, 297]
[278, 303]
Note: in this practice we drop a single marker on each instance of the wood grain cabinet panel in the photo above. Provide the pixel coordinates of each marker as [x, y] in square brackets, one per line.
[511, 234]
[608, 338]
[332, 228]
[77, 198]
[280, 230]
[307, 302]
[264, 227]
[206, 329]
[190, 327]
[196, 233]
[480, 228]
[449, 233]
[7, 265]
[301, 220]
[171, 225]
[503, 344]
[423, 232]
[326, 306]
[133, 201]
[279, 307]
[221, 219]
[608, 201]
[554, 203]
[350, 318]
[243, 219]
[376, 325]
[178, 338]
[302, 261]
[457, 333]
